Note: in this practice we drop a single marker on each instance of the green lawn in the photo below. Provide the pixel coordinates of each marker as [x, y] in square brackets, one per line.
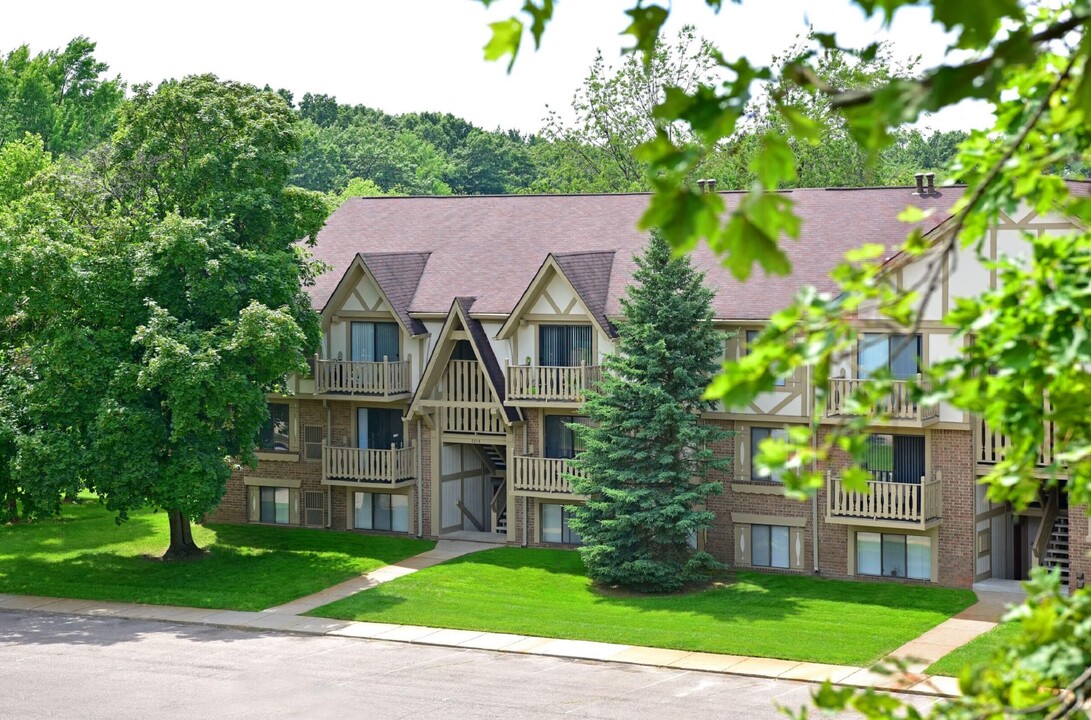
[976, 652]
[545, 593]
[84, 554]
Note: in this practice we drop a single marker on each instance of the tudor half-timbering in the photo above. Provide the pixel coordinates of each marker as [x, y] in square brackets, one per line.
[460, 335]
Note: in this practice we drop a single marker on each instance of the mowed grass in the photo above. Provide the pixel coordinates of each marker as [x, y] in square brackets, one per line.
[546, 593]
[84, 554]
[977, 652]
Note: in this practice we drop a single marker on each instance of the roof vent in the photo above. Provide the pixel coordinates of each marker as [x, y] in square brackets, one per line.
[711, 184]
[930, 180]
[919, 177]
[706, 185]
[701, 186]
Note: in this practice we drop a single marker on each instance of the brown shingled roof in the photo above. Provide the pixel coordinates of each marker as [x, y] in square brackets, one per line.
[589, 273]
[398, 275]
[490, 247]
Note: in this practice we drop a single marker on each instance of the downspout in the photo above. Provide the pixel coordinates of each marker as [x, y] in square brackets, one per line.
[420, 491]
[814, 468]
[526, 449]
[329, 439]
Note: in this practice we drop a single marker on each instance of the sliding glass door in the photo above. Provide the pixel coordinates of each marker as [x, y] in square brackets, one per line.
[373, 341]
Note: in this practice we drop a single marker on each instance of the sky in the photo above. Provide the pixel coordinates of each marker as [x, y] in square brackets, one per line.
[417, 55]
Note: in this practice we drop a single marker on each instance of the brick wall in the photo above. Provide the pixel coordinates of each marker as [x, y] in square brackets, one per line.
[1078, 547]
[952, 453]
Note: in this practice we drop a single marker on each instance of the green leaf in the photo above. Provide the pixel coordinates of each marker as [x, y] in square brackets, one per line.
[506, 36]
[645, 26]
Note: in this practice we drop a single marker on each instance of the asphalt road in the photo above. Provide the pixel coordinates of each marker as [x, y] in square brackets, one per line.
[57, 666]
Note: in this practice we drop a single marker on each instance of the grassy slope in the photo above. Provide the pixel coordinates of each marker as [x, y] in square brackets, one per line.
[976, 652]
[85, 554]
[544, 592]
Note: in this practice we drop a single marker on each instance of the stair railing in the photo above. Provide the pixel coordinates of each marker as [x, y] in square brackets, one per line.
[499, 503]
[1045, 529]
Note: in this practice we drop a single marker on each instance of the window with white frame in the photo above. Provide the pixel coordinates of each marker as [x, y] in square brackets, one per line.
[380, 511]
[894, 555]
[555, 525]
[273, 505]
[769, 546]
[757, 435]
[312, 442]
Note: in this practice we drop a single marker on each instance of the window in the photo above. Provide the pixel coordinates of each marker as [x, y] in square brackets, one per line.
[564, 345]
[888, 555]
[274, 505]
[374, 341]
[312, 442]
[380, 511]
[895, 458]
[560, 440]
[555, 525]
[751, 337]
[378, 429]
[274, 434]
[757, 434]
[899, 354]
[769, 546]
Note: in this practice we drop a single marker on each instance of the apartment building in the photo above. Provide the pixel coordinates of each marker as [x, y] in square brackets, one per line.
[461, 333]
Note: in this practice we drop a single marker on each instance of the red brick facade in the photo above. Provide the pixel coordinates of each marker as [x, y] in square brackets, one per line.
[950, 451]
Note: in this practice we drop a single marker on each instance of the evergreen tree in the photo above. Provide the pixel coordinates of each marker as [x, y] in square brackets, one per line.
[646, 455]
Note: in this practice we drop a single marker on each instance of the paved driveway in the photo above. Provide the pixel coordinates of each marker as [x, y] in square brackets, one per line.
[68, 666]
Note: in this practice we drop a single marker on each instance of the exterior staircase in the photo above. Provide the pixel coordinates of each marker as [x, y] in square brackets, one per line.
[496, 458]
[1057, 550]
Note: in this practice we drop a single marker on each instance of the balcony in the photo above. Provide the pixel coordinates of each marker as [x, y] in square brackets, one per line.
[896, 409]
[542, 476]
[549, 385]
[355, 466]
[886, 503]
[991, 446]
[355, 377]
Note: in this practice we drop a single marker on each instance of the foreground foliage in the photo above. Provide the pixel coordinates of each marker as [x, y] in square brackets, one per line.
[84, 554]
[547, 593]
[1030, 341]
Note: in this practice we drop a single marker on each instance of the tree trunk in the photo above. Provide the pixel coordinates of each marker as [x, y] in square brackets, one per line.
[182, 546]
[13, 509]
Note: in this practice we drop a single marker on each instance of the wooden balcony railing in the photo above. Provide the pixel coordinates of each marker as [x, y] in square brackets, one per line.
[550, 383]
[363, 378]
[537, 474]
[369, 465]
[910, 503]
[897, 405]
[991, 446]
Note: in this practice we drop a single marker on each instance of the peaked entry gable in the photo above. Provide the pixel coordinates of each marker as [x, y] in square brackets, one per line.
[460, 326]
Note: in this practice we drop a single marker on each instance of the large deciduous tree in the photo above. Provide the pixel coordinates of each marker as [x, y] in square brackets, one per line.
[180, 302]
[647, 456]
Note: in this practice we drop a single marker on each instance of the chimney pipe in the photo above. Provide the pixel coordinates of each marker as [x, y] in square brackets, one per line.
[701, 186]
[711, 182]
[919, 177]
[931, 178]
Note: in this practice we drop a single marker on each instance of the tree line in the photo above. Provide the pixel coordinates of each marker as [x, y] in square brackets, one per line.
[68, 98]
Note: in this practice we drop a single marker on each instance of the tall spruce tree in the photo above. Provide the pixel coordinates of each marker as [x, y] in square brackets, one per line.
[646, 456]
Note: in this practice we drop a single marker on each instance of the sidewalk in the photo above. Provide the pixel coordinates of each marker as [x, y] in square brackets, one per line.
[470, 639]
[918, 653]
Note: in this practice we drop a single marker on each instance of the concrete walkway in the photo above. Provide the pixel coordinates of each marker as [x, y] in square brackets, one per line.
[992, 603]
[443, 551]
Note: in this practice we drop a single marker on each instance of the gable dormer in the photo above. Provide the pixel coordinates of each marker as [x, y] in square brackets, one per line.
[368, 334]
